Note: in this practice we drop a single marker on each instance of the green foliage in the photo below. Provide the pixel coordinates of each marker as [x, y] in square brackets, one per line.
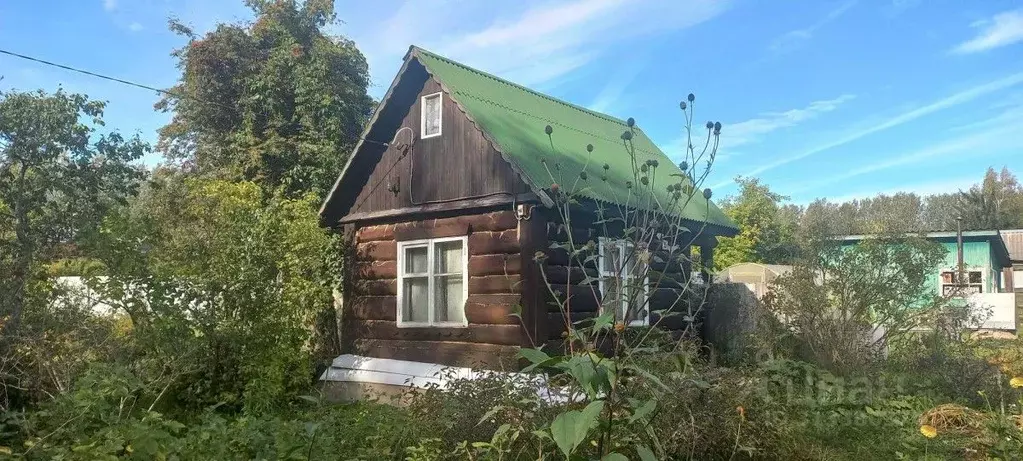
[59, 337]
[995, 203]
[766, 228]
[221, 286]
[108, 416]
[845, 304]
[276, 101]
[58, 177]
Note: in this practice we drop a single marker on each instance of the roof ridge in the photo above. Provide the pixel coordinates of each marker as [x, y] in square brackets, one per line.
[594, 113]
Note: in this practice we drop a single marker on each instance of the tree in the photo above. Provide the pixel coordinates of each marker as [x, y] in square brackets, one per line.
[940, 212]
[845, 304]
[897, 213]
[995, 203]
[766, 228]
[58, 176]
[222, 283]
[276, 101]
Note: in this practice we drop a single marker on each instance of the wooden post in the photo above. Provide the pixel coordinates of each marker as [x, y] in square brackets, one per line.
[532, 238]
[961, 268]
[707, 258]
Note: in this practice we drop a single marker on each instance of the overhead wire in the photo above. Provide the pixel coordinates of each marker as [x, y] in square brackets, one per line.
[131, 83]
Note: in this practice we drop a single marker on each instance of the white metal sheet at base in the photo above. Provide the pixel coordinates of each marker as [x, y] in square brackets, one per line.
[371, 370]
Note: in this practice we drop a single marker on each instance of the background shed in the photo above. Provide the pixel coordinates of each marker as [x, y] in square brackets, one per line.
[757, 277]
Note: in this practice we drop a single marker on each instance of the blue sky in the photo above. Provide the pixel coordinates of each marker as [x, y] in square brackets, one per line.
[837, 99]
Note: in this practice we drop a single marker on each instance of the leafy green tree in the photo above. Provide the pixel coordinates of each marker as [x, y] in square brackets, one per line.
[897, 213]
[58, 176]
[995, 203]
[845, 304]
[221, 284]
[277, 101]
[940, 211]
[766, 227]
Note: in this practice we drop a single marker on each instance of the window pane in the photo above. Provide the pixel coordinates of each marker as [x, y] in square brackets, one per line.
[448, 303]
[635, 268]
[611, 263]
[637, 295]
[449, 257]
[975, 277]
[431, 114]
[416, 300]
[612, 296]
[415, 260]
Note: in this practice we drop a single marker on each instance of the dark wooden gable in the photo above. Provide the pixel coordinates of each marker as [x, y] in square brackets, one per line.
[459, 164]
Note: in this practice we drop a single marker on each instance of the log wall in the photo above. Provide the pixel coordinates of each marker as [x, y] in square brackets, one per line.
[569, 278]
[493, 335]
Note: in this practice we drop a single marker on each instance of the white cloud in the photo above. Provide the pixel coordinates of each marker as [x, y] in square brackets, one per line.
[135, 27]
[109, 5]
[752, 130]
[903, 118]
[792, 38]
[619, 81]
[1003, 29]
[1000, 135]
[530, 42]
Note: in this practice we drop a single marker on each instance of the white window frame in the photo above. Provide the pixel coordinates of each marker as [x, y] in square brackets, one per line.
[967, 270]
[431, 277]
[440, 113]
[622, 246]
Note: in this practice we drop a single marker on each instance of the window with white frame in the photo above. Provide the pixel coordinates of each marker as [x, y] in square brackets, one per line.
[973, 282]
[623, 282]
[431, 115]
[432, 282]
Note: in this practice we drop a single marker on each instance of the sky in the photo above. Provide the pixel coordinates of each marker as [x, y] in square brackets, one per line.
[838, 99]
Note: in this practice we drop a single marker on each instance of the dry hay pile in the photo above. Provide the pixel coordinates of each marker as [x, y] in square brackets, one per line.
[954, 419]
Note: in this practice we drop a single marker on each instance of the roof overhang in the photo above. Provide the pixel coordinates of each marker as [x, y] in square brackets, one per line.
[998, 248]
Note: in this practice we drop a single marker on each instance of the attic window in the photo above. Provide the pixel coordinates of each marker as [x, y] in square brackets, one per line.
[431, 115]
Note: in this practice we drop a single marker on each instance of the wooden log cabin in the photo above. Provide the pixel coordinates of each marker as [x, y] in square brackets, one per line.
[446, 200]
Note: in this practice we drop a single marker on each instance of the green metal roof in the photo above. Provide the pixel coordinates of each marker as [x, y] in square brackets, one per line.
[514, 118]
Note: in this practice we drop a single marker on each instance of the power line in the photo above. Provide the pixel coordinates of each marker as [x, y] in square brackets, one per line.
[93, 74]
[107, 77]
[130, 83]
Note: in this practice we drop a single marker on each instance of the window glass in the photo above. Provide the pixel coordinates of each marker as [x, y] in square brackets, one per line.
[432, 282]
[416, 260]
[415, 290]
[448, 303]
[449, 257]
[431, 115]
[623, 282]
